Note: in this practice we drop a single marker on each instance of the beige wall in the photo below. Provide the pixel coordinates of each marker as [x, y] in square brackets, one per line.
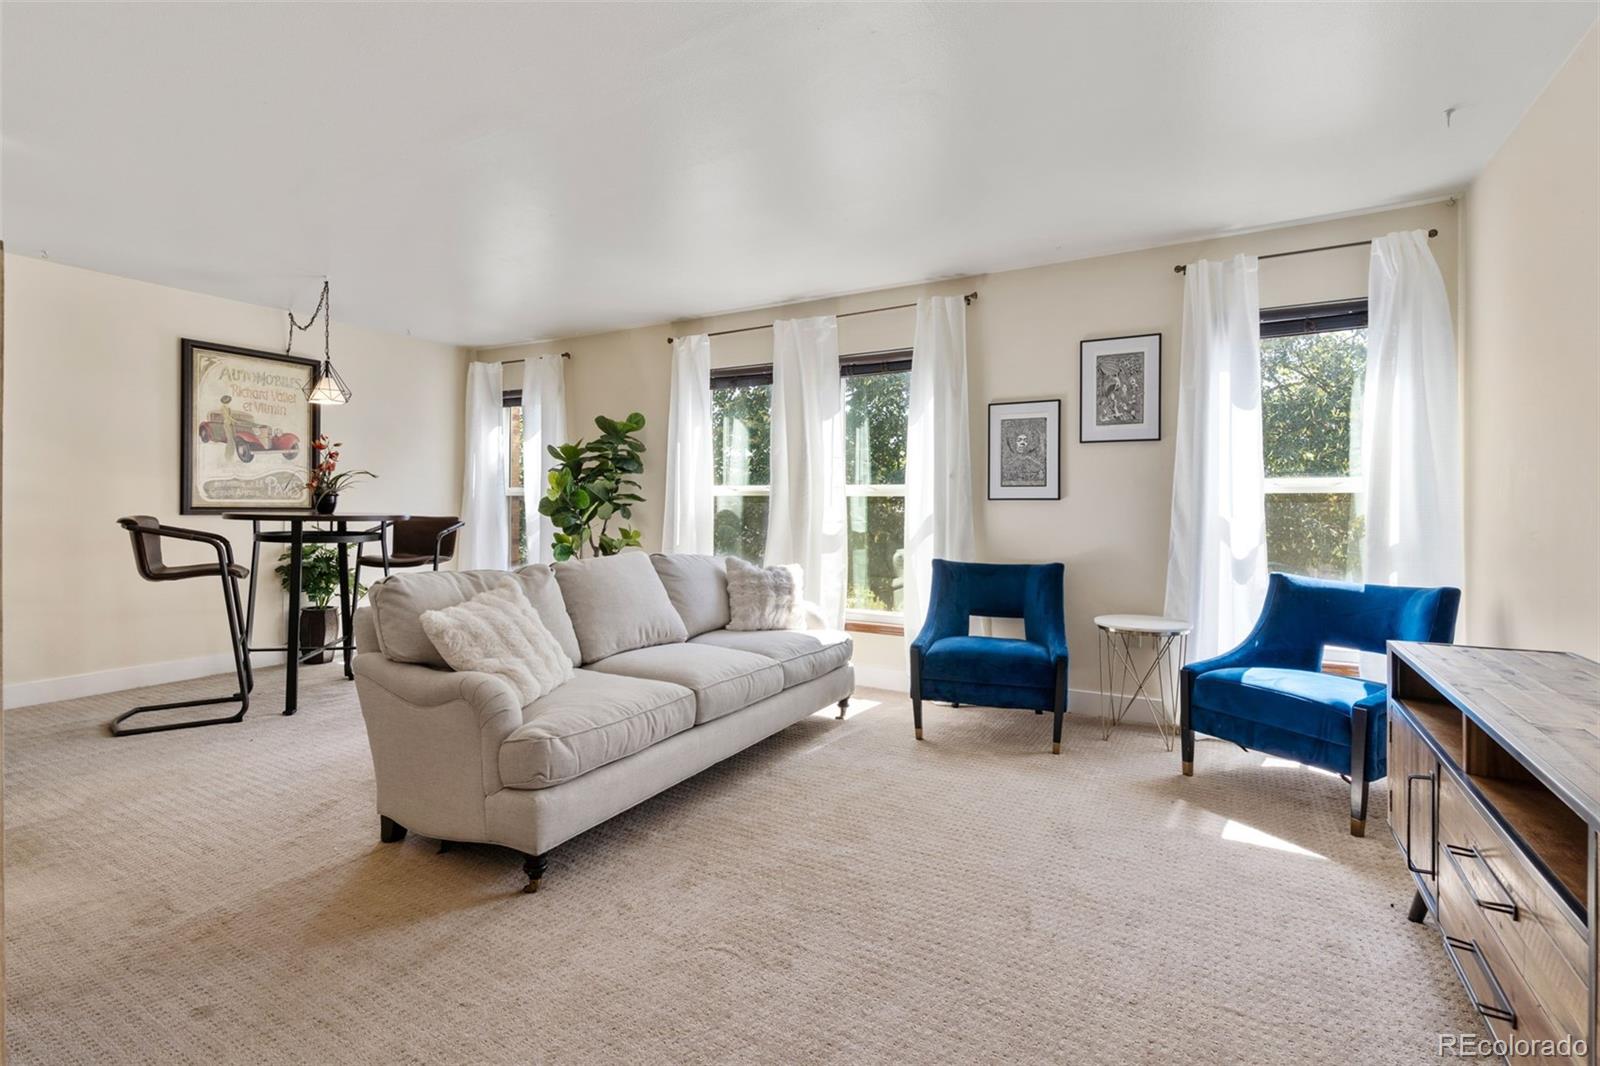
[1531, 330]
[91, 412]
[1110, 526]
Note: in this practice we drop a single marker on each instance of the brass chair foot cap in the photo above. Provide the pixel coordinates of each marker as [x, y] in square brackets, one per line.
[532, 886]
[1358, 827]
[1055, 749]
[1188, 769]
[919, 733]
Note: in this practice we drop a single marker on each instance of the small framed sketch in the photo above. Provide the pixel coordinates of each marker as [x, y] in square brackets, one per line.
[1121, 388]
[1025, 450]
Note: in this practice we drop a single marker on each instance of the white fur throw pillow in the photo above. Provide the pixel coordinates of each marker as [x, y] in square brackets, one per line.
[764, 597]
[498, 632]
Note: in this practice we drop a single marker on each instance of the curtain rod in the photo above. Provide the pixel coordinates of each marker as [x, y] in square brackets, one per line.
[968, 298]
[508, 362]
[1180, 269]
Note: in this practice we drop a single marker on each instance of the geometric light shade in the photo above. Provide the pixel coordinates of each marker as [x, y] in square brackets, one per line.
[327, 387]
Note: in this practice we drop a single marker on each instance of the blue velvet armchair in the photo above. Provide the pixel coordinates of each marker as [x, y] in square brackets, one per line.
[1270, 695]
[947, 664]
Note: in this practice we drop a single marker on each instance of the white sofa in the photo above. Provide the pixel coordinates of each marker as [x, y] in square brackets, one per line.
[664, 691]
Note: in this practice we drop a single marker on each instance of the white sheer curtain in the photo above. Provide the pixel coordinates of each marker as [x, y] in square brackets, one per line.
[544, 423]
[805, 519]
[1410, 428]
[938, 452]
[1217, 559]
[687, 524]
[484, 539]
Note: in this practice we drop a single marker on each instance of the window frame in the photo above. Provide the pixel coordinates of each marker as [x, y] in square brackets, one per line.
[732, 377]
[867, 364]
[1297, 320]
[512, 399]
[887, 361]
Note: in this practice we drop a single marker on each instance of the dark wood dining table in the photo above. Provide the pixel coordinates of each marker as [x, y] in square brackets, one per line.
[325, 529]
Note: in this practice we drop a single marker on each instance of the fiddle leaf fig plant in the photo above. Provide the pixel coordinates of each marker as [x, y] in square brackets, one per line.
[594, 485]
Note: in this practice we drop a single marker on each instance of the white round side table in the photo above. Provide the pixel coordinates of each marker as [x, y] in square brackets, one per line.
[1118, 635]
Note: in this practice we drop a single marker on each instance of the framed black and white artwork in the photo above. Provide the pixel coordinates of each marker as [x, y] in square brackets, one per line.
[1025, 450]
[1121, 388]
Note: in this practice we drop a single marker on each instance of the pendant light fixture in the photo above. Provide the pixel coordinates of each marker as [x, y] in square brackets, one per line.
[326, 386]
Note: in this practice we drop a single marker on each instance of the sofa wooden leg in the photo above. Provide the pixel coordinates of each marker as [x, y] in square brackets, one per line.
[1059, 706]
[844, 705]
[1419, 908]
[389, 830]
[916, 715]
[533, 866]
[444, 846]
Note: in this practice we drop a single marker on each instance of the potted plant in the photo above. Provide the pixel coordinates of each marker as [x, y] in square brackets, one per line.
[592, 486]
[319, 583]
[324, 483]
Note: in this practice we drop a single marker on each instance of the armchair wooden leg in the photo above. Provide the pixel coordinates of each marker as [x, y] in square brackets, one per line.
[916, 691]
[389, 830]
[1358, 771]
[844, 705]
[534, 867]
[1186, 729]
[1060, 708]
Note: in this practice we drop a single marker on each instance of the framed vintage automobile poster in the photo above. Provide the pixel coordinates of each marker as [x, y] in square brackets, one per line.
[247, 429]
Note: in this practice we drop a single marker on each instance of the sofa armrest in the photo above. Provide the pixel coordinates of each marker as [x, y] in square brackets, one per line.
[435, 737]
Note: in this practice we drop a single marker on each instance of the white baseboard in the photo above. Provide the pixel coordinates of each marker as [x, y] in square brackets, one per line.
[76, 686]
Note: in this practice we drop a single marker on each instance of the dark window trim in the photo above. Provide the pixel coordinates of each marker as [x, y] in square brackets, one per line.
[511, 398]
[1301, 319]
[890, 361]
[738, 377]
[894, 361]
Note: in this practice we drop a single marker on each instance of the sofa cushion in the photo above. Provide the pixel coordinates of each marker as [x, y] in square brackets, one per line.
[697, 585]
[592, 720]
[617, 604]
[398, 601]
[544, 592]
[802, 654]
[723, 680]
[1308, 703]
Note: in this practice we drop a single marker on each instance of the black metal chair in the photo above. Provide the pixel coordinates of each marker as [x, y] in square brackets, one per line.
[417, 541]
[147, 534]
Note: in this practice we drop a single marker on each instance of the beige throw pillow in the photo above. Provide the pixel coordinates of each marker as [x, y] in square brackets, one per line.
[764, 597]
[498, 632]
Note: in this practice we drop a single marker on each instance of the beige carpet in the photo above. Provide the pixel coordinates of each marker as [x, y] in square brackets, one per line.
[839, 893]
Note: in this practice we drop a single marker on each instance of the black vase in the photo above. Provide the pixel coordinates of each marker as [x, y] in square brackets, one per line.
[318, 626]
[327, 502]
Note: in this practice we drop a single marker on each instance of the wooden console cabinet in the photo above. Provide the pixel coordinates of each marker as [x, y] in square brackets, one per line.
[1494, 800]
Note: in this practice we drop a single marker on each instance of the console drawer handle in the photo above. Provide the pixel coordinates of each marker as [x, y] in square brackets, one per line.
[1413, 867]
[1501, 1010]
[1509, 907]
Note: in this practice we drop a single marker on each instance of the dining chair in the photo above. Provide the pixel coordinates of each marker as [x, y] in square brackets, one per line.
[421, 540]
[147, 535]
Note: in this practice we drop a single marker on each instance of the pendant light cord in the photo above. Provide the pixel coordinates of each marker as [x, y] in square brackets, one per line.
[325, 309]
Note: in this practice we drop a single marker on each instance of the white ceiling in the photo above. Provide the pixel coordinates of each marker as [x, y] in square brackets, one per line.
[485, 174]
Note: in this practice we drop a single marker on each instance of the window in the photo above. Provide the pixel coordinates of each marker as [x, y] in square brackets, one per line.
[1313, 367]
[741, 438]
[515, 524]
[876, 392]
